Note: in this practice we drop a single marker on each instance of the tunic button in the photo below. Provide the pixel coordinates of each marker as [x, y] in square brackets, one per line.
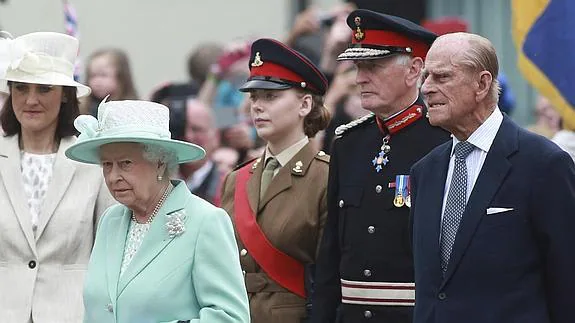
[442, 296]
[371, 229]
[110, 308]
[378, 189]
[341, 203]
[367, 314]
[32, 264]
[367, 273]
[243, 253]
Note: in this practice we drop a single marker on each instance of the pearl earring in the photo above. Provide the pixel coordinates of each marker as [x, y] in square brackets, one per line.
[160, 178]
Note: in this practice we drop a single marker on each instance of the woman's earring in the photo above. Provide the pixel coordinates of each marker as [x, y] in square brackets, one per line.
[160, 178]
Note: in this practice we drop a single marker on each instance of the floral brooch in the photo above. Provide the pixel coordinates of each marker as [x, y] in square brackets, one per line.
[175, 223]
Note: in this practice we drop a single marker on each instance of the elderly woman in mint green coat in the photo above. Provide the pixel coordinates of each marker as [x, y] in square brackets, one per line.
[162, 254]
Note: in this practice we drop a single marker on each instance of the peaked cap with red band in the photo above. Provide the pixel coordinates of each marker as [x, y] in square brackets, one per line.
[376, 35]
[275, 66]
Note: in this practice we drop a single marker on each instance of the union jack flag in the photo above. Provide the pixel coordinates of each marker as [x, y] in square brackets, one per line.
[71, 25]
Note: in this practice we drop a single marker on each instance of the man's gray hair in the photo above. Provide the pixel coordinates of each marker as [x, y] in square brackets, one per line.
[402, 59]
[156, 153]
[481, 56]
[405, 60]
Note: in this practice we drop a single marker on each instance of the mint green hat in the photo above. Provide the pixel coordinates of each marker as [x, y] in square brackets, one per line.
[128, 121]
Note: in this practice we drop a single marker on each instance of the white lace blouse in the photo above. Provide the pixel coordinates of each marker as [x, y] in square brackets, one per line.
[136, 235]
[36, 176]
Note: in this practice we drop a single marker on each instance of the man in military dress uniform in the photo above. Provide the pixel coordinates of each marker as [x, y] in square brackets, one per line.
[365, 269]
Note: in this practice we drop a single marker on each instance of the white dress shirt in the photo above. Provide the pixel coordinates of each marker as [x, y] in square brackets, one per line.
[199, 175]
[482, 139]
[566, 140]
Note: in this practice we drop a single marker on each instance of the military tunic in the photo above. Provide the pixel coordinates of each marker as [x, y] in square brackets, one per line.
[291, 214]
[367, 238]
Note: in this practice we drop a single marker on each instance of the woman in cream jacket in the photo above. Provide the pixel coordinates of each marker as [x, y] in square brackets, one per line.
[49, 205]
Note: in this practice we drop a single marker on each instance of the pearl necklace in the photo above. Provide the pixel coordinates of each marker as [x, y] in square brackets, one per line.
[158, 206]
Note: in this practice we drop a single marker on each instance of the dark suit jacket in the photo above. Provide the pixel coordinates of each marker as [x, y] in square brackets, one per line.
[209, 188]
[510, 267]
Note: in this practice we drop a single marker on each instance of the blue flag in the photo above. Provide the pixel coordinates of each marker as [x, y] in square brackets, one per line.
[544, 35]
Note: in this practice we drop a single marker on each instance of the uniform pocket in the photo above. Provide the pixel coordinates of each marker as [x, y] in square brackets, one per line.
[288, 313]
[348, 202]
[349, 196]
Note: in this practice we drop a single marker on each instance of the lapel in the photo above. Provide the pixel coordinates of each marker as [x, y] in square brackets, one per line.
[204, 189]
[492, 174]
[115, 245]
[435, 178]
[297, 166]
[253, 185]
[62, 175]
[11, 176]
[157, 239]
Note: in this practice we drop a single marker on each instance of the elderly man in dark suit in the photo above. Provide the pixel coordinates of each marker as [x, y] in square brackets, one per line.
[203, 177]
[493, 209]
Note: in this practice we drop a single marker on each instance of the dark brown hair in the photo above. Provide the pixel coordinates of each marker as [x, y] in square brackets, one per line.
[121, 63]
[318, 118]
[69, 110]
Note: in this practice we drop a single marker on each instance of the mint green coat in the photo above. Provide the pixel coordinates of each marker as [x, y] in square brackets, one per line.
[193, 276]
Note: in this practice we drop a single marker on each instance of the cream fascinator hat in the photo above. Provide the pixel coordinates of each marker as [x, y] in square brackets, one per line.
[128, 121]
[41, 58]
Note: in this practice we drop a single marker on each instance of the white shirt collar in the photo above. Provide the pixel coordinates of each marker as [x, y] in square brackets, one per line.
[200, 175]
[483, 136]
[287, 154]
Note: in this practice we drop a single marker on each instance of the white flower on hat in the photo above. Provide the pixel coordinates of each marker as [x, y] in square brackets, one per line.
[87, 125]
[16, 53]
[23, 59]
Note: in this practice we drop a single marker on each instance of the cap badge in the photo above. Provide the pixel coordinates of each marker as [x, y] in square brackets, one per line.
[359, 35]
[257, 60]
